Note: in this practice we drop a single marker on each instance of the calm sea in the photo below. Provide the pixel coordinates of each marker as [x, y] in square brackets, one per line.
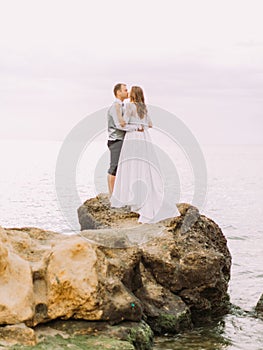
[234, 200]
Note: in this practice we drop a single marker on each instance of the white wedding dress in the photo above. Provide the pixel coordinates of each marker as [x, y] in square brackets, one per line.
[139, 182]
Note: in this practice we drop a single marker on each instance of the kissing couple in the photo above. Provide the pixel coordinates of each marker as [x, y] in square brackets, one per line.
[134, 175]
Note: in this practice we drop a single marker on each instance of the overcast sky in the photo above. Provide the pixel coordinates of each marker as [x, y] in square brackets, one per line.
[201, 60]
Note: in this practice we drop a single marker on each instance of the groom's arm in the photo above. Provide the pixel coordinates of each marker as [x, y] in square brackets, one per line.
[119, 114]
[127, 127]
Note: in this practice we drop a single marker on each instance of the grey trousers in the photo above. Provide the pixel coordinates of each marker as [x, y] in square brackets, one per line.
[115, 150]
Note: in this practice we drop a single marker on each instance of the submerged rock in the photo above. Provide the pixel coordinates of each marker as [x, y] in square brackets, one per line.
[259, 306]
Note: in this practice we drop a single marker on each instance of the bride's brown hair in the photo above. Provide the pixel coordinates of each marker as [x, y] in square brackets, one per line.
[136, 96]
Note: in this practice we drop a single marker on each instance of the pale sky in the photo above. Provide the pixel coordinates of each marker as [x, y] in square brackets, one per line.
[201, 60]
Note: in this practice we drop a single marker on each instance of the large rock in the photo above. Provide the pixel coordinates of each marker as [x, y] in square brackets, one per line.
[187, 255]
[16, 286]
[168, 274]
[85, 283]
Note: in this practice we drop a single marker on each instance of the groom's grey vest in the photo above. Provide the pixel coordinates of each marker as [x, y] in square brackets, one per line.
[114, 134]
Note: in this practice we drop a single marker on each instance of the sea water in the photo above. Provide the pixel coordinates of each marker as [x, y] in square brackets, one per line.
[234, 200]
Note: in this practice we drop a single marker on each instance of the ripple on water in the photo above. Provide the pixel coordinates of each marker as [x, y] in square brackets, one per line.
[239, 330]
[202, 338]
[232, 227]
[237, 238]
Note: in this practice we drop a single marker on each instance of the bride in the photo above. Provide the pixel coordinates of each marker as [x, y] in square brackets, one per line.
[138, 180]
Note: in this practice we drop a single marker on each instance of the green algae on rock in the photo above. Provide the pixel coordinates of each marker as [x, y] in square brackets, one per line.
[78, 343]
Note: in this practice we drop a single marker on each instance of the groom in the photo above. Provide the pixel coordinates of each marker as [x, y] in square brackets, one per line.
[116, 132]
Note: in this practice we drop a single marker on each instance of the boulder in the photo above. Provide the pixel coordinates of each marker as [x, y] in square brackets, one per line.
[16, 292]
[168, 274]
[187, 255]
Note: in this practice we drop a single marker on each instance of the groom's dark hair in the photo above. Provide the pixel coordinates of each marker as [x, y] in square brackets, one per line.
[117, 87]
